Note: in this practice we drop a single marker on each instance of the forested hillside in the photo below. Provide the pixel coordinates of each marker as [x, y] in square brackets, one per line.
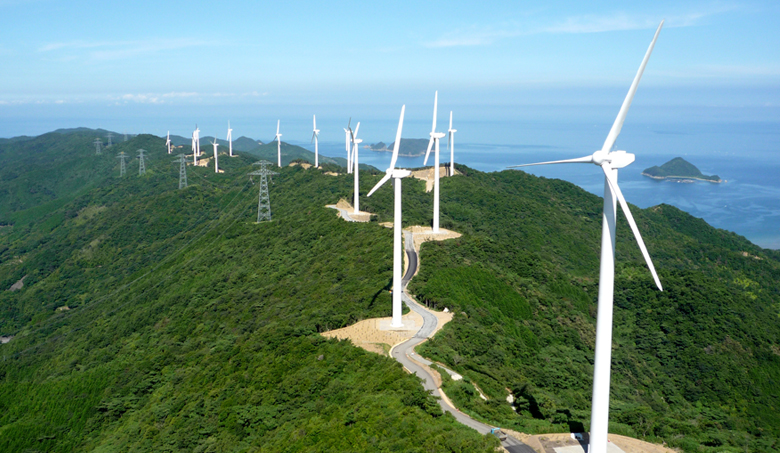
[159, 319]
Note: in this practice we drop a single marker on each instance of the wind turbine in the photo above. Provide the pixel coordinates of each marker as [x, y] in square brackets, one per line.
[216, 162]
[349, 148]
[610, 162]
[357, 143]
[397, 175]
[230, 140]
[435, 136]
[451, 145]
[195, 145]
[197, 140]
[315, 138]
[278, 146]
[168, 142]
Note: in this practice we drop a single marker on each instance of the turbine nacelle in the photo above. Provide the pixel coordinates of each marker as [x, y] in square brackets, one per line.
[615, 159]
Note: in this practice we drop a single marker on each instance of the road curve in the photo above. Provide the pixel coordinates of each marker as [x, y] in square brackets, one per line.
[405, 351]
[343, 212]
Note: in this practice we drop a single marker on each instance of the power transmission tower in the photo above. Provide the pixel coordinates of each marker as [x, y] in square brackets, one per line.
[109, 139]
[125, 136]
[98, 146]
[141, 165]
[122, 156]
[182, 170]
[264, 202]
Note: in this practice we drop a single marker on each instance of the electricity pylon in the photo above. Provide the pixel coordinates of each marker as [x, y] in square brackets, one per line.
[98, 146]
[264, 202]
[141, 165]
[122, 156]
[109, 139]
[181, 158]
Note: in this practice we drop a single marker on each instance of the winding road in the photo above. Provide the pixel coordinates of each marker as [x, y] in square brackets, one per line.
[405, 354]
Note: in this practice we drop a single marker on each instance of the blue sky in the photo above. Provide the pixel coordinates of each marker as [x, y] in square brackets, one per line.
[145, 63]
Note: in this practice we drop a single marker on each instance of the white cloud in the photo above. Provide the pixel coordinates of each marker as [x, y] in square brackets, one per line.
[479, 36]
[112, 50]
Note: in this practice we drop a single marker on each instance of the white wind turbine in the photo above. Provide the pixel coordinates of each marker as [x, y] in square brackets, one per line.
[229, 140]
[315, 138]
[278, 146]
[357, 143]
[451, 145]
[197, 140]
[195, 144]
[168, 142]
[397, 175]
[216, 162]
[435, 136]
[610, 162]
[348, 148]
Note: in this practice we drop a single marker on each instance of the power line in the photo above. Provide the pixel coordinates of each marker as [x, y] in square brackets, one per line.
[122, 156]
[264, 201]
[141, 165]
[181, 158]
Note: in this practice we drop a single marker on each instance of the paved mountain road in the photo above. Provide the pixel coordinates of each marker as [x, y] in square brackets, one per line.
[405, 351]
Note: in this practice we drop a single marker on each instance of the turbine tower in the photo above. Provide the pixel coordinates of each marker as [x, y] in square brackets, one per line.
[98, 146]
[195, 145]
[435, 137]
[216, 162]
[397, 175]
[181, 159]
[451, 146]
[109, 140]
[357, 142]
[264, 200]
[122, 167]
[610, 162]
[197, 140]
[168, 142]
[141, 164]
[230, 140]
[315, 138]
[278, 145]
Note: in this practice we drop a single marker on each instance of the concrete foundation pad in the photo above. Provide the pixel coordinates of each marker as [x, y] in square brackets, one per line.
[611, 448]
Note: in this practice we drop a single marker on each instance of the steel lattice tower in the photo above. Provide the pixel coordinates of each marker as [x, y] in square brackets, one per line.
[141, 165]
[122, 156]
[109, 139]
[264, 201]
[181, 158]
[98, 146]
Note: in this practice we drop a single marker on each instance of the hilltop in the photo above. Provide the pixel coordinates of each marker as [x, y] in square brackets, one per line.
[679, 169]
[190, 327]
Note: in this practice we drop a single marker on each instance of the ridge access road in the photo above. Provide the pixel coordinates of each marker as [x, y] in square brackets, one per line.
[403, 353]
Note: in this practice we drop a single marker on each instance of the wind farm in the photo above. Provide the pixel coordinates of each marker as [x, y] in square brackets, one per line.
[286, 300]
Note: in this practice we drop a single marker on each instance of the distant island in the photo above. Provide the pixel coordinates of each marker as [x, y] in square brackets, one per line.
[680, 170]
[410, 147]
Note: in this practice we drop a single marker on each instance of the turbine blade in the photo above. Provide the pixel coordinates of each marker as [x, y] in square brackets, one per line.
[616, 190]
[428, 152]
[384, 179]
[312, 136]
[315, 121]
[357, 128]
[435, 107]
[579, 160]
[397, 144]
[277, 127]
[618, 124]
[450, 119]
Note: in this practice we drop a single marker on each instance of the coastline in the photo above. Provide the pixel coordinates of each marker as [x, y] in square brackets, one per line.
[683, 179]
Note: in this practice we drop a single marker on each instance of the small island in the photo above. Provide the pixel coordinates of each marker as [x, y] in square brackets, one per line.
[679, 170]
[410, 147]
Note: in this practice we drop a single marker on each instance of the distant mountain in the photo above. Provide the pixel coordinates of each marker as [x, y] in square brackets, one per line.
[411, 147]
[679, 169]
[381, 146]
[240, 144]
